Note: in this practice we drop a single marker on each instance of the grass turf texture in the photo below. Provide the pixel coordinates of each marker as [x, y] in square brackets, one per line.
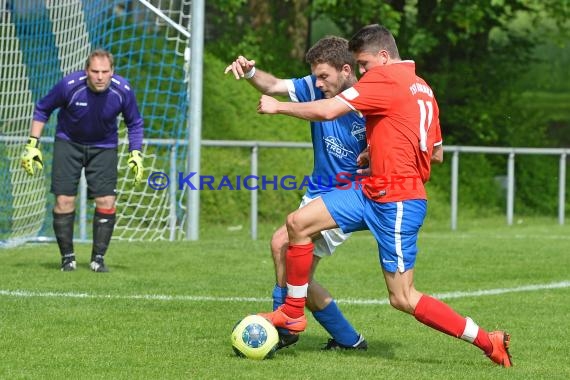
[166, 310]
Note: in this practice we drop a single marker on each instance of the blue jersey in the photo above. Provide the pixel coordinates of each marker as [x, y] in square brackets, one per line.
[336, 143]
[90, 118]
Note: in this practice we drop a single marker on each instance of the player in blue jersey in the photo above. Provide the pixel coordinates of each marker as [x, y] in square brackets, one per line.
[336, 146]
[86, 136]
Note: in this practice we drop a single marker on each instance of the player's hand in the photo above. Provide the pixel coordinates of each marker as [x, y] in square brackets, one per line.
[135, 162]
[363, 160]
[32, 155]
[268, 104]
[240, 67]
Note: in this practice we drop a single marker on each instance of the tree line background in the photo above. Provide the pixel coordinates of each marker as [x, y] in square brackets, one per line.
[499, 69]
[477, 55]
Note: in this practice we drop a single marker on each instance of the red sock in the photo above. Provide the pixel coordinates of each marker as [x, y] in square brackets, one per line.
[483, 342]
[440, 316]
[299, 260]
[106, 211]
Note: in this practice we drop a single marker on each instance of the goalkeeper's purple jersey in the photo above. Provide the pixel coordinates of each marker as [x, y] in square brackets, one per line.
[90, 118]
[336, 143]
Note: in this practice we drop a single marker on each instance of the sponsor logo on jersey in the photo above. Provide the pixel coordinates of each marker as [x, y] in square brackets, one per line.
[336, 147]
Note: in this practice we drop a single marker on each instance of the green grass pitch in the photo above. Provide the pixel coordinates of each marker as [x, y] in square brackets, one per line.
[165, 311]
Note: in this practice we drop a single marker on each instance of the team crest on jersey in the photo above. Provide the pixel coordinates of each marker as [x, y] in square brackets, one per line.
[336, 147]
[358, 131]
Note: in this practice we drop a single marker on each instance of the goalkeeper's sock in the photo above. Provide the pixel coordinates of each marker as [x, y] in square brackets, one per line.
[299, 260]
[442, 317]
[332, 319]
[63, 229]
[103, 226]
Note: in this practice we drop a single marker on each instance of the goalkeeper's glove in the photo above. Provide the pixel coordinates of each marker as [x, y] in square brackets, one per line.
[32, 155]
[136, 165]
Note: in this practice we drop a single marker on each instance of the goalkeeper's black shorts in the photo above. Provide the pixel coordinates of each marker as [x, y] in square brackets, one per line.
[100, 169]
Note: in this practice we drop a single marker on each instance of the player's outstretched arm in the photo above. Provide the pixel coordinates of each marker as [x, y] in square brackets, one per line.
[323, 109]
[263, 81]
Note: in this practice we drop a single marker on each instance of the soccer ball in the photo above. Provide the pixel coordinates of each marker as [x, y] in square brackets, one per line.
[254, 337]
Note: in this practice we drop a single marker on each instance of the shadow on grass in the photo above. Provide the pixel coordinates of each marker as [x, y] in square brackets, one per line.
[55, 264]
[312, 343]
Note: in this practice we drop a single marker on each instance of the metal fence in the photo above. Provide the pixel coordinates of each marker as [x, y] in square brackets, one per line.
[511, 152]
[454, 151]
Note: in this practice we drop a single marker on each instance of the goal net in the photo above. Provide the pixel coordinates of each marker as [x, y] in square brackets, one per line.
[43, 40]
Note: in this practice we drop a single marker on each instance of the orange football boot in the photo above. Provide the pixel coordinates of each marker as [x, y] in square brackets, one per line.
[279, 319]
[500, 354]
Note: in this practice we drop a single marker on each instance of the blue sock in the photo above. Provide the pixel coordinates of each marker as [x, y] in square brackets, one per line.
[279, 294]
[337, 325]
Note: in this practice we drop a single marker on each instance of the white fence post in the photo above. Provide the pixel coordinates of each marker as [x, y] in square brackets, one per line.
[454, 188]
[510, 189]
[83, 207]
[172, 193]
[254, 192]
[561, 188]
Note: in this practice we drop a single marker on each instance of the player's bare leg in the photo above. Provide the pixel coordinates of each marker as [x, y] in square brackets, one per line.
[326, 311]
[318, 297]
[279, 243]
[440, 316]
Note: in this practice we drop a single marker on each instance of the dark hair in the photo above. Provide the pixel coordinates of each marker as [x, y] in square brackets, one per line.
[372, 39]
[100, 53]
[331, 50]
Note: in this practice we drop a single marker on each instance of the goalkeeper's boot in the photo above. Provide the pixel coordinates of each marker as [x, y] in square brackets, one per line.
[279, 319]
[286, 339]
[68, 263]
[500, 354]
[98, 264]
[332, 345]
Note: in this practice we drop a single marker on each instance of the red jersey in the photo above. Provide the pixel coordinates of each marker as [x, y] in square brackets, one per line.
[402, 127]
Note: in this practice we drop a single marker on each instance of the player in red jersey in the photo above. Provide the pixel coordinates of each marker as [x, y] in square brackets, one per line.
[402, 128]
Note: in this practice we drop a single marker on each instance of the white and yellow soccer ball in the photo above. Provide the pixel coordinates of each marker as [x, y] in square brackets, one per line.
[254, 337]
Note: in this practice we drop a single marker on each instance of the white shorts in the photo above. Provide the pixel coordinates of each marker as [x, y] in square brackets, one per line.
[330, 239]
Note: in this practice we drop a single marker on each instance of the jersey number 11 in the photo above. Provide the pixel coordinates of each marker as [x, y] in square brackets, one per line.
[426, 116]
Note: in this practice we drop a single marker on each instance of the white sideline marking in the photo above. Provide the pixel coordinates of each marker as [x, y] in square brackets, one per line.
[159, 297]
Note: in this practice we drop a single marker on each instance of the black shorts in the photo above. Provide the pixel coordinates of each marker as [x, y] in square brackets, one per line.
[100, 169]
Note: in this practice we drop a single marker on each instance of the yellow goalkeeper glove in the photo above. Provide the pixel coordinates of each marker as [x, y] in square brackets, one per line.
[136, 165]
[32, 155]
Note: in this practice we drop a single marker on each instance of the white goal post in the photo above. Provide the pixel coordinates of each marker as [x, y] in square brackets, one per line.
[43, 40]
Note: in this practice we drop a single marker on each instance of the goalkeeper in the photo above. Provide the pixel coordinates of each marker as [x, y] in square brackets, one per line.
[86, 137]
